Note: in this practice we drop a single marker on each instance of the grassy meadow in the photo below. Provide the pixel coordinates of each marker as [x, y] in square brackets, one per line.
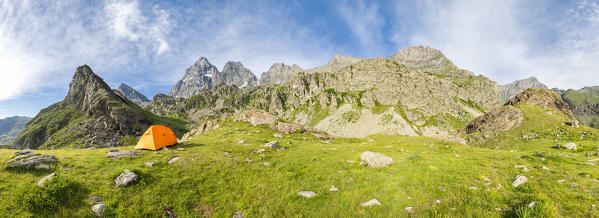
[219, 173]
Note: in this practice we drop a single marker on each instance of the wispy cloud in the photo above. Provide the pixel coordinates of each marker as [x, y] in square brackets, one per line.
[508, 40]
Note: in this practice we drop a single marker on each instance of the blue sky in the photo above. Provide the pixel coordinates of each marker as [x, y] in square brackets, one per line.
[148, 44]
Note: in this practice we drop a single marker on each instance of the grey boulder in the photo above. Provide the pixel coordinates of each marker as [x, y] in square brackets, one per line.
[375, 160]
[125, 178]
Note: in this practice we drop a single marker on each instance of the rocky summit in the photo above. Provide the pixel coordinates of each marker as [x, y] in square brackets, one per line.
[510, 90]
[91, 114]
[133, 95]
[279, 73]
[203, 75]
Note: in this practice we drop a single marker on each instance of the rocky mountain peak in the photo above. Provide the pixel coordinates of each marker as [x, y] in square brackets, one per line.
[84, 86]
[424, 58]
[235, 73]
[279, 73]
[133, 95]
[197, 77]
[512, 89]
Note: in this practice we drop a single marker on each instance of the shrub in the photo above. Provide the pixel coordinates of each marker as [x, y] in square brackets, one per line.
[59, 192]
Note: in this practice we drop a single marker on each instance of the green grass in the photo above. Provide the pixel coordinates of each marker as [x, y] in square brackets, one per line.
[205, 179]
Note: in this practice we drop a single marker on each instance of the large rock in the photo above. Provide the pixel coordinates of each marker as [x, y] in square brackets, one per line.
[290, 128]
[273, 144]
[376, 160]
[497, 120]
[27, 159]
[307, 194]
[256, 117]
[125, 178]
[114, 153]
[570, 146]
[204, 127]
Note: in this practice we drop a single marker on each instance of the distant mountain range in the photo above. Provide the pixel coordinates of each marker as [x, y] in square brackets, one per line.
[133, 94]
[10, 127]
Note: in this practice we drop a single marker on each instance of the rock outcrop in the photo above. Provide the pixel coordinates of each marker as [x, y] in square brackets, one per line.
[91, 114]
[279, 73]
[256, 117]
[125, 178]
[27, 160]
[133, 95]
[544, 98]
[497, 120]
[510, 90]
[336, 63]
[424, 58]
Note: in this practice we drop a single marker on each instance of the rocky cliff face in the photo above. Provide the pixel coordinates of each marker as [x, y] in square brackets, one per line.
[10, 127]
[279, 73]
[91, 115]
[544, 98]
[203, 75]
[512, 89]
[234, 73]
[133, 95]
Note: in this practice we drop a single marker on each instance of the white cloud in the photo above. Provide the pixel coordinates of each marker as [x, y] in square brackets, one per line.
[507, 40]
[126, 21]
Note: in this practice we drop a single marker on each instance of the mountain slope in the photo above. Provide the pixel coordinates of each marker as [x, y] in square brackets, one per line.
[197, 77]
[133, 94]
[510, 90]
[336, 63]
[90, 115]
[10, 127]
[584, 103]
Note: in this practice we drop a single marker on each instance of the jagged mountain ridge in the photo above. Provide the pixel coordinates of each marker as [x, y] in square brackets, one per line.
[203, 75]
[91, 114]
[10, 127]
[133, 95]
[378, 95]
[279, 73]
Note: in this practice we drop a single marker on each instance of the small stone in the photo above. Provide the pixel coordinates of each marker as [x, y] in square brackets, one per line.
[519, 180]
[498, 187]
[125, 178]
[532, 204]
[307, 194]
[277, 135]
[520, 166]
[238, 214]
[48, 178]
[180, 149]
[333, 188]
[94, 199]
[569, 145]
[473, 188]
[350, 161]
[525, 169]
[456, 155]
[498, 209]
[249, 160]
[274, 144]
[545, 168]
[115, 153]
[149, 164]
[372, 202]
[437, 201]
[266, 164]
[241, 142]
[561, 181]
[573, 185]
[409, 210]
[98, 209]
[362, 163]
[442, 188]
[174, 159]
[113, 150]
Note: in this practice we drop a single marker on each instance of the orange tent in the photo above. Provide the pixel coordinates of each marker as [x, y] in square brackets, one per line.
[156, 137]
